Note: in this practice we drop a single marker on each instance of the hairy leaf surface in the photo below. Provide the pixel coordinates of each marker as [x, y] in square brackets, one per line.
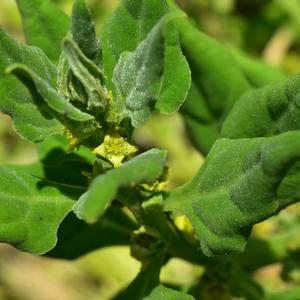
[265, 112]
[32, 209]
[104, 188]
[32, 122]
[238, 186]
[80, 123]
[45, 25]
[125, 31]
[83, 30]
[220, 76]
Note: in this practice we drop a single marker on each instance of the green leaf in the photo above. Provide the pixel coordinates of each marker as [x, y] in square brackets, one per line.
[31, 210]
[257, 72]
[202, 127]
[32, 122]
[83, 30]
[146, 280]
[56, 164]
[80, 123]
[265, 112]
[162, 292]
[77, 238]
[44, 25]
[129, 29]
[87, 79]
[126, 28]
[237, 186]
[59, 142]
[220, 76]
[104, 188]
[269, 111]
[213, 68]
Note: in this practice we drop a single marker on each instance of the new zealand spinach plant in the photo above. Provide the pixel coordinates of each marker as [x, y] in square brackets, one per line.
[70, 85]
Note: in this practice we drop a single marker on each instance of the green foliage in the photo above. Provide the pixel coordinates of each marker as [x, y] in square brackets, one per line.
[155, 49]
[44, 25]
[32, 209]
[241, 177]
[32, 121]
[144, 168]
[92, 188]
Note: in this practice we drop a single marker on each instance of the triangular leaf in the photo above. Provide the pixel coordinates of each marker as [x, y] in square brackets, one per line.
[237, 186]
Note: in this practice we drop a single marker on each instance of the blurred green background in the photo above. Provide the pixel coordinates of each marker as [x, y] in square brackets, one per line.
[266, 29]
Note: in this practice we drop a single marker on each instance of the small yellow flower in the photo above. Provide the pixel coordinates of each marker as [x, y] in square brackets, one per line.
[72, 139]
[115, 148]
[160, 184]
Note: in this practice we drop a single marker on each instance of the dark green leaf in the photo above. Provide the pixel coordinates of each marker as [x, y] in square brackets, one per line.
[76, 238]
[89, 79]
[80, 123]
[169, 76]
[164, 293]
[237, 186]
[104, 188]
[56, 164]
[220, 76]
[257, 72]
[32, 122]
[213, 68]
[83, 30]
[265, 112]
[44, 25]
[32, 209]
